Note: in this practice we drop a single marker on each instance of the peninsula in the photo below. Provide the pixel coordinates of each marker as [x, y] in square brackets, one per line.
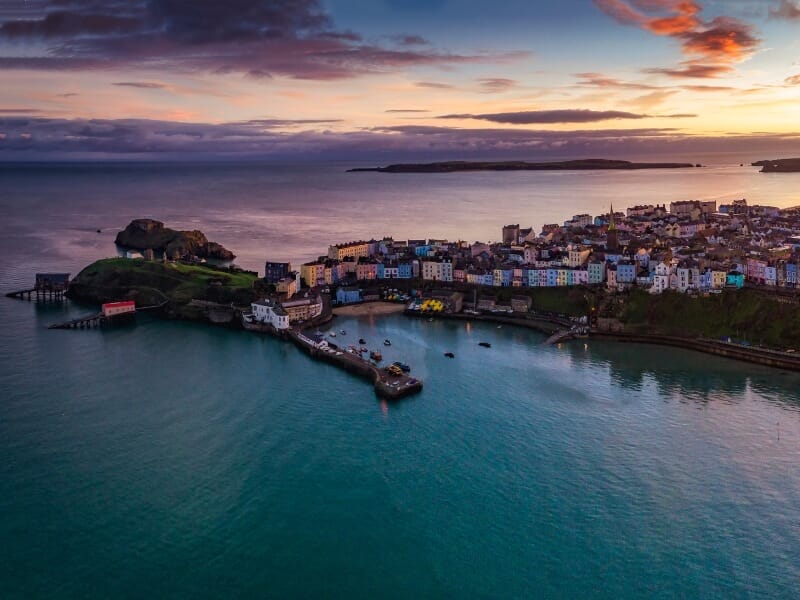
[586, 164]
[779, 165]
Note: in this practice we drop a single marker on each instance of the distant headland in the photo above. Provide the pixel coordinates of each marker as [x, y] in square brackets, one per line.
[585, 164]
[779, 165]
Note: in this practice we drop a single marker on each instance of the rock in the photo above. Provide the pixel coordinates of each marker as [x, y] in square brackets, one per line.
[143, 234]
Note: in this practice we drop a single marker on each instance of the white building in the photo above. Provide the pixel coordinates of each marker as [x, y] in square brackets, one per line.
[437, 270]
[265, 311]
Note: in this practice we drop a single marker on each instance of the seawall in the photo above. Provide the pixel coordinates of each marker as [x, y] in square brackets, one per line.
[760, 356]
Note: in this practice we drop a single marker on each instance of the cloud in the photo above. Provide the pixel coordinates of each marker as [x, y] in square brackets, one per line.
[19, 111]
[260, 38]
[604, 81]
[407, 110]
[793, 80]
[708, 88]
[147, 85]
[277, 123]
[787, 9]
[693, 70]
[495, 85]
[711, 47]
[435, 85]
[410, 40]
[528, 117]
[36, 138]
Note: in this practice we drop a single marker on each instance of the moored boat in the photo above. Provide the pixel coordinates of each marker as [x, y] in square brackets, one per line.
[485, 344]
[376, 356]
[387, 343]
[449, 355]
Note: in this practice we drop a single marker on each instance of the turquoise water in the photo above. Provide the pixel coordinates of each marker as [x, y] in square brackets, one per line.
[174, 459]
[171, 459]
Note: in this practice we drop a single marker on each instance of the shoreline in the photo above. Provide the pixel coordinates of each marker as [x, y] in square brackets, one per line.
[376, 308]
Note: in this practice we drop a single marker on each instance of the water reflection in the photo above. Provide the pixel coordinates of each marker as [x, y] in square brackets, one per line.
[685, 374]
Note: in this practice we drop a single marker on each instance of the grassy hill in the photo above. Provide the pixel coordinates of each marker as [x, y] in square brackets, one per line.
[744, 314]
[153, 282]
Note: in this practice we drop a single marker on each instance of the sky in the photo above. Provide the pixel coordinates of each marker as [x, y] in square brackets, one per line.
[397, 79]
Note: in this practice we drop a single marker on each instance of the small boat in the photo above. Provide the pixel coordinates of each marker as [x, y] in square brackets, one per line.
[402, 366]
[449, 355]
[430, 319]
[485, 344]
[375, 355]
[342, 332]
[362, 350]
[499, 326]
[387, 343]
[332, 334]
[362, 341]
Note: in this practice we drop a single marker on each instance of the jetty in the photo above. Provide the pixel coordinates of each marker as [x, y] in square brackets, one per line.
[391, 386]
[387, 385]
[85, 322]
[563, 335]
[47, 287]
[111, 312]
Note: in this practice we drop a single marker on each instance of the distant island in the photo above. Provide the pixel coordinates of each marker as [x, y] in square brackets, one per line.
[779, 165]
[586, 164]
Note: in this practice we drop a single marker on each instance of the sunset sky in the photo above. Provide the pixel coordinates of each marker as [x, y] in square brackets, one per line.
[397, 78]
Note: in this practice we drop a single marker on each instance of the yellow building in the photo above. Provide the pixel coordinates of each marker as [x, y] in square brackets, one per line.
[313, 273]
[353, 249]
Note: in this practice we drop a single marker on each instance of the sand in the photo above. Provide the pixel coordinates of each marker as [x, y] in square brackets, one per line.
[370, 308]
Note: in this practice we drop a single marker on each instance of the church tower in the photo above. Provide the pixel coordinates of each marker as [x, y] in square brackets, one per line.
[612, 241]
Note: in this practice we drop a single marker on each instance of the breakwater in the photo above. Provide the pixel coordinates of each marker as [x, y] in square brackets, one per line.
[387, 385]
[760, 356]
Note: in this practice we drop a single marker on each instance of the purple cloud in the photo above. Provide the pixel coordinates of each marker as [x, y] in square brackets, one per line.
[528, 117]
[293, 38]
[35, 138]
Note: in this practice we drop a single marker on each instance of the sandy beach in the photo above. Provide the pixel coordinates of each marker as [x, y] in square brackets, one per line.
[369, 308]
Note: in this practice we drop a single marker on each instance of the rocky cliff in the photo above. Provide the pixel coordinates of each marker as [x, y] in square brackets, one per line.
[149, 234]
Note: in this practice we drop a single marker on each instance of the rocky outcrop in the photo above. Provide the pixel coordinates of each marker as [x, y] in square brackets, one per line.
[149, 234]
[779, 165]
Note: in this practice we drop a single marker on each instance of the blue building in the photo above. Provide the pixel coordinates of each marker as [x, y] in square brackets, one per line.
[626, 273]
[348, 295]
[735, 279]
[405, 270]
[791, 274]
[275, 271]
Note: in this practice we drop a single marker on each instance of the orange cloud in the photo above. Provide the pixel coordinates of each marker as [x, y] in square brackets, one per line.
[710, 46]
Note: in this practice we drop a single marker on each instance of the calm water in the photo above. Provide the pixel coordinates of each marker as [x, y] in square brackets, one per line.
[172, 459]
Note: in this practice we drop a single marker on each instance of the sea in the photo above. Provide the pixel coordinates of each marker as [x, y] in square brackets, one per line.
[179, 460]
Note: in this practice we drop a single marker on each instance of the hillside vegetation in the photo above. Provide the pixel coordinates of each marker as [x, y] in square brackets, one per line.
[747, 315]
[151, 283]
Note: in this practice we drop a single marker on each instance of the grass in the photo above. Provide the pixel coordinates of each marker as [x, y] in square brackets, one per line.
[744, 314]
[155, 281]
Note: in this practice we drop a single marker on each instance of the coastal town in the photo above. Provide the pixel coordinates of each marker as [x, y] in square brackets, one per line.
[693, 274]
[693, 247]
